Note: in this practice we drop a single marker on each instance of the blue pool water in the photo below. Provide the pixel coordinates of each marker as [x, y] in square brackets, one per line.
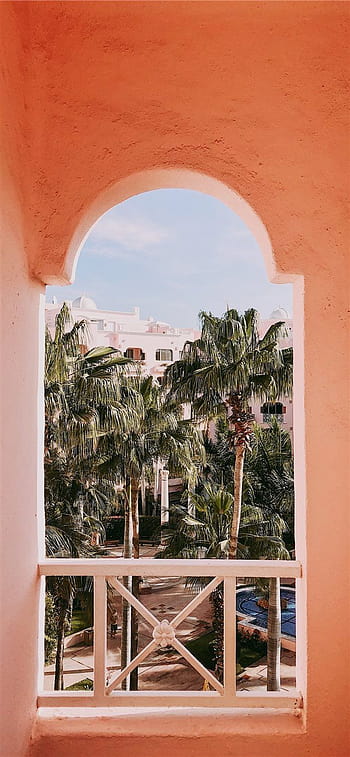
[247, 605]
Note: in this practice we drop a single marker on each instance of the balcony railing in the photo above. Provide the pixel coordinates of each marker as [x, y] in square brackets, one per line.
[269, 417]
[216, 572]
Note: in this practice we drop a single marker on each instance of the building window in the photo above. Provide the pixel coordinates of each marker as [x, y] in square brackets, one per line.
[134, 353]
[164, 355]
[98, 323]
[272, 410]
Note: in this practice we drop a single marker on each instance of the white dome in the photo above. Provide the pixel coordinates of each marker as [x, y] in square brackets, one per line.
[279, 314]
[84, 303]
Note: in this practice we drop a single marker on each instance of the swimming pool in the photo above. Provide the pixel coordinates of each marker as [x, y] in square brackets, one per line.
[255, 616]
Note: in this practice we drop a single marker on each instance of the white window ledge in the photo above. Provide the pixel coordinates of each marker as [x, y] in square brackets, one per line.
[190, 722]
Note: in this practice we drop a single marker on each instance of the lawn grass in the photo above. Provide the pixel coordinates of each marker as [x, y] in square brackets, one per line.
[80, 620]
[202, 649]
[248, 655]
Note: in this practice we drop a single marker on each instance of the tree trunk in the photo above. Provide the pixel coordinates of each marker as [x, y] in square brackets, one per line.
[134, 495]
[58, 684]
[156, 480]
[143, 493]
[274, 636]
[217, 600]
[240, 421]
[125, 650]
[237, 501]
[134, 675]
[135, 579]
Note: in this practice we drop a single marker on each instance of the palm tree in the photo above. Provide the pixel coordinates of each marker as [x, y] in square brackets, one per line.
[269, 476]
[208, 534]
[158, 432]
[82, 392]
[270, 485]
[209, 530]
[82, 404]
[63, 539]
[221, 371]
[220, 456]
[267, 516]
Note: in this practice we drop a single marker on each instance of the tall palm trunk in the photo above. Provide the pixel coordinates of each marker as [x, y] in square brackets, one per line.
[135, 482]
[134, 496]
[125, 651]
[217, 601]
[241, 422]
[62, 617]
[274, 636]
[143, 493]
[156, 480]
[232, 555]
[237, 500]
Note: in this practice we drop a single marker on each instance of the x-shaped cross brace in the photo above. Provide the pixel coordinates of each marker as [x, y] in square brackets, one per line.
[160, 632]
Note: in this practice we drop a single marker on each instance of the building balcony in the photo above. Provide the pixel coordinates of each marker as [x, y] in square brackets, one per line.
[269, 417]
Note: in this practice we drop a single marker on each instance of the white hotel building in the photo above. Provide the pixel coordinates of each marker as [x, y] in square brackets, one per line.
[157, 344]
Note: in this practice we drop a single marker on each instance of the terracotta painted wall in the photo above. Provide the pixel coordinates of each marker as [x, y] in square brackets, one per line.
[253, 95]
[250, 93]
[20, 432]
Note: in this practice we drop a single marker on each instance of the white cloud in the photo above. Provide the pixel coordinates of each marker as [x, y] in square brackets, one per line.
[134, 235]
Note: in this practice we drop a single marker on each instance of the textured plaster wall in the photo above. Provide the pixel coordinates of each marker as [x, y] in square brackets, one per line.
[20, 433]
[251, 94]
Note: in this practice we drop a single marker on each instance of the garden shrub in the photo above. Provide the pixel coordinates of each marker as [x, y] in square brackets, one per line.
[85, 685]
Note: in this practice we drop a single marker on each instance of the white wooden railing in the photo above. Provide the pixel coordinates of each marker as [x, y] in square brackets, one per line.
[111, 570]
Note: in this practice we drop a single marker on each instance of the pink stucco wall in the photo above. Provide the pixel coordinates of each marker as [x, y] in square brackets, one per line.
[252, 95]
[21, 426]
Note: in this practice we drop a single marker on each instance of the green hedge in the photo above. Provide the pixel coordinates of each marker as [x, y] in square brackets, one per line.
[149, 528]
[85, 685]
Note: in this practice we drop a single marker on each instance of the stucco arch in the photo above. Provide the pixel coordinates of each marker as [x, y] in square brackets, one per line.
[254, 95]
[153, 179]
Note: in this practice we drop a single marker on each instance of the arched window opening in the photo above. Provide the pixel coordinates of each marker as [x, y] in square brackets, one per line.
[171, 453]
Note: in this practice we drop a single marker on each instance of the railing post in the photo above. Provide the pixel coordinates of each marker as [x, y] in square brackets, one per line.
[41, 634]
[100, 635]
[230, 637]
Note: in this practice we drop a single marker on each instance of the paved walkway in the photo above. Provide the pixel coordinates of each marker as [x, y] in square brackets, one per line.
[254, 677]
[168, 596]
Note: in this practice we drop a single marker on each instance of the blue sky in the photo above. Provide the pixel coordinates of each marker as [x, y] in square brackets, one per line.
[173, 252]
